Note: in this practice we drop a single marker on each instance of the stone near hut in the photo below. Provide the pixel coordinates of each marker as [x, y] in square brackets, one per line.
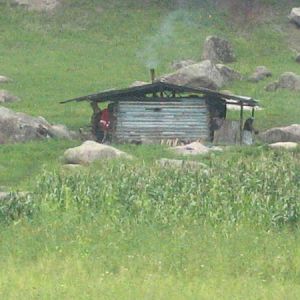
[284, 145]
[4, 79]
[38, 5]
[194, 148]
[281, 134]
[297, 59]
[6, 96]
[16, 127]
[218, 50]
[272, 87]
[62, 132]
[228, 74]
[289, 80]
[260, 73]
[204, 74]
[176, 65]
[91, 151]
[295, 16]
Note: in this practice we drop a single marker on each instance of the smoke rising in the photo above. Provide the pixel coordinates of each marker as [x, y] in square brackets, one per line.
[161, 41]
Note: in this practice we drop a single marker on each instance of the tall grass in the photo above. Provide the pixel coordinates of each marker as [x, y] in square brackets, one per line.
[134, 230]
[261, 190]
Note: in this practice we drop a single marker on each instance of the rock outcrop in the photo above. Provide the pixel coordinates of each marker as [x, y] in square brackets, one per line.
[194, 148]
[218, 50]
[287, 80]
[228, 74]
[204, 74]
[37, 5]
[16, 127]
[281, 134]
[91, 151]
[4, 79]
[295, 16]
[272, 87]
[260, 73]
[176, 65]
[284, 145]
[6, 96]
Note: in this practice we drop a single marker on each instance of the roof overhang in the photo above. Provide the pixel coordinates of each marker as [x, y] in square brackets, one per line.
[159, 87]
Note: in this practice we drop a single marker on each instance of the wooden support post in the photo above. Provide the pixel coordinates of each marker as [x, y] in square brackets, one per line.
[253, 112]
[241, 123]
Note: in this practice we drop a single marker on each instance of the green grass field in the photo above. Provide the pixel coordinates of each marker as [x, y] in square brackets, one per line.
[131, 230]
[85, 48]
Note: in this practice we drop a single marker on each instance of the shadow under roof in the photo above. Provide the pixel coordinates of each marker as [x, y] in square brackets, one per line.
[158, 87]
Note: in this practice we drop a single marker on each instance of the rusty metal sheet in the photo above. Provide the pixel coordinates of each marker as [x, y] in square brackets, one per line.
[187, 120]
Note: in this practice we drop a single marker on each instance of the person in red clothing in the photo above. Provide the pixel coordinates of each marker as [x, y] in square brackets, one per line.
[105, 123]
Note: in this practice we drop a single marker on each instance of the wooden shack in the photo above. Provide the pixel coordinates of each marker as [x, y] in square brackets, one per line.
[160, 111]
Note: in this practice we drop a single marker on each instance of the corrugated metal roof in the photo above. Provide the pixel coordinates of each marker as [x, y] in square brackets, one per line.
[159, 87]
[186, 120]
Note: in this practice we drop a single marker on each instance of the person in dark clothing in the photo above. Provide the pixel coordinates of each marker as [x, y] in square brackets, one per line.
[248, 131]
[95, 122]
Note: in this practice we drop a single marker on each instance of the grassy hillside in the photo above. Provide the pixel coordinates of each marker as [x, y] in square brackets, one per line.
[130, 229]
[91, 46]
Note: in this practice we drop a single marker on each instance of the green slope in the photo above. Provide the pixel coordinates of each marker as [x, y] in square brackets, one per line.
[90, 46]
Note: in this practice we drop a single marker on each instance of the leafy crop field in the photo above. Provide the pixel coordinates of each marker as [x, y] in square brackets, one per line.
[87, 47]
[131, 229]
[228, 230]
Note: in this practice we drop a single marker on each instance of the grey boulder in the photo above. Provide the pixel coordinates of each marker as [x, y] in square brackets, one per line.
[287, 80]
[37, 5]
[91, 151]
[59, 131]
[218, 50]
[16, 127]
[6, 96]
[295, 15]
[281, 134]
[4, 79]
[204, 74]
[272, 87]
[195, 148]
[284, 145]
[228, 74]
[260, 73]
[176, 65]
